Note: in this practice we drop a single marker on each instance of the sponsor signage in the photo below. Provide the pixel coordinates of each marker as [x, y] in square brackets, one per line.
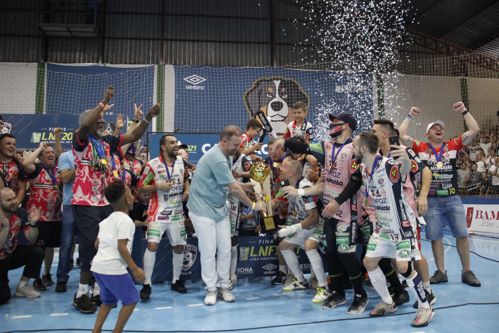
[482, 218]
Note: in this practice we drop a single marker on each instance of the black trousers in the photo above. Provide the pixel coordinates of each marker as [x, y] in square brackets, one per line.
[31, 257]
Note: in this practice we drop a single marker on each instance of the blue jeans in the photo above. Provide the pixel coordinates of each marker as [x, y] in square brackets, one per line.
[445, 210]
[67, 241]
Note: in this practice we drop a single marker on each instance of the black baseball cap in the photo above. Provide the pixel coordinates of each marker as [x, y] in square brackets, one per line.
[345, 117]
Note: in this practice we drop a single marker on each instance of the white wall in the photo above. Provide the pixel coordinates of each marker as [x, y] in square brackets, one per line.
[18, 87]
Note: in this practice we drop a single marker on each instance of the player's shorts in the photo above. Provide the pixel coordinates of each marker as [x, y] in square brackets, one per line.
[177, 235]
[403, 250]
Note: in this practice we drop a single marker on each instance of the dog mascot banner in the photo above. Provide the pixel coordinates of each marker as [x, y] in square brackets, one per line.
[207, 98]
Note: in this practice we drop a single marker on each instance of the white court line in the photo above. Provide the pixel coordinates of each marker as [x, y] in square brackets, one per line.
[59, 314]
[252, 298]
[194, 305]
[163, 307]
[21, 317]
[136, 310]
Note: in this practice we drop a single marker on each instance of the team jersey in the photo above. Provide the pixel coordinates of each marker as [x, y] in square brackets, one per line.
[134, 166]
[412, 183]
[298, 205]
[46, 194]
[394, 217]
[337, 174]
[165, 206]
[90, 179]
[11, 172]
[246, 141]
[305, 130]
[442, 163]
[17, 222]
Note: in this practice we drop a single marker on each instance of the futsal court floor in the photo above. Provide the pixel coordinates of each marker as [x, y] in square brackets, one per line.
[262, 307]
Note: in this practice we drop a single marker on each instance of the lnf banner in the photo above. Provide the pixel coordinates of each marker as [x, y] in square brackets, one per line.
[257, 258]
[197, 144]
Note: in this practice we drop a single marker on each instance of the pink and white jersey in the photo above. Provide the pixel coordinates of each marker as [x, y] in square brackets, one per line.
[90, 180]
[165, 206]
[337, 175]
[46, 194]
[395, 219]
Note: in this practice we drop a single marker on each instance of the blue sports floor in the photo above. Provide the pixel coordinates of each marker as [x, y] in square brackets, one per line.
[261, 307]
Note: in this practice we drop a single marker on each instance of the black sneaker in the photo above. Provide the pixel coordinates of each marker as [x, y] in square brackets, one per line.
[400, 297]
[84, 304]
[179, 287]
[430, 297]
[358, 305]
[96, 300]
[61, 287]
[47, 280]
[334, 300]
[279, 278]
[145, 293]
[38, 285]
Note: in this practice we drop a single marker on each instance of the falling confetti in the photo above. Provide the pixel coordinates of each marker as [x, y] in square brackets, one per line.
[358, 41]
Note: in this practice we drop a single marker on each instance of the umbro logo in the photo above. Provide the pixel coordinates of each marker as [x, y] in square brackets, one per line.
[194, 79]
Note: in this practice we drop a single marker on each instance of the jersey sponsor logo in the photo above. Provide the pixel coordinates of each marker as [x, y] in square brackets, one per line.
[394, 174]
[355, 166]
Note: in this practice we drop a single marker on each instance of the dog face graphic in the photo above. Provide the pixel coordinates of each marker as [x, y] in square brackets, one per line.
[274, 97]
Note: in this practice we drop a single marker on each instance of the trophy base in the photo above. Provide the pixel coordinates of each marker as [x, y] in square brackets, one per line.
[268, 224]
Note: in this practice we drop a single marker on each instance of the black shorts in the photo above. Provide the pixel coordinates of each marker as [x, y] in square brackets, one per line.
[49, 234]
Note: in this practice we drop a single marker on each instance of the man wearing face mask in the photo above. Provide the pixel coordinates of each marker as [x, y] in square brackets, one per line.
[340, 227]
[95, 167]
[444, 203]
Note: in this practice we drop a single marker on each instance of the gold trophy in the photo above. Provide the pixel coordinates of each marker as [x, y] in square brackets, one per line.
[260, 175]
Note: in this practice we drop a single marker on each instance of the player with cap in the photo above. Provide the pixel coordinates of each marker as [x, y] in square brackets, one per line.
[444, 203]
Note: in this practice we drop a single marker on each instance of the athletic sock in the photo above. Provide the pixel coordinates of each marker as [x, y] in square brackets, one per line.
[378, 281]
[149, 260]
[316, 262]
[293, 265]
[177, 262]
[82, 290]
[416, 286]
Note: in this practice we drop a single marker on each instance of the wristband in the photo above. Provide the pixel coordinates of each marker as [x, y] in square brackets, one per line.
[136, 120]
[465, 112]
[301, 192]
[253, 204]
[408, 116]
[33, 225]
[146, 121]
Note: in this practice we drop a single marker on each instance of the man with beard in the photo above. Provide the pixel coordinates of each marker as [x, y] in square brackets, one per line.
[163, 178]
[95, 167]
[46, 196]
[393, 233]
[341, 224]
[444, 204]
[11, 171]
[209, 212]
[14, 220]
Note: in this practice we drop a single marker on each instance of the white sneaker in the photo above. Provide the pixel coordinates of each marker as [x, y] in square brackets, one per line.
[211, 297]
[227, 296]
[27, 291]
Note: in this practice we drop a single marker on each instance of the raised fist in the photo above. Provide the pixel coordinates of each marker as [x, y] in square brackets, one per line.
[459, 107]
[414, 111]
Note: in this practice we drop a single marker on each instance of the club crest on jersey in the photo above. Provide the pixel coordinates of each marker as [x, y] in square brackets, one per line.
[414, 166]
[394, 174]
[355, 166]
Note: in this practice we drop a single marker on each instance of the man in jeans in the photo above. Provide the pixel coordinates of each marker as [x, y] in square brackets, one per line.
[66, 174]
[444, 203]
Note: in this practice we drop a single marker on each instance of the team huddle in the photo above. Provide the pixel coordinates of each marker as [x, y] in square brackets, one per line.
[362, 199]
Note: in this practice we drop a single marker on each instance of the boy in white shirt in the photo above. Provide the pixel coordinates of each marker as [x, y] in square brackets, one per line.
[109, 266]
